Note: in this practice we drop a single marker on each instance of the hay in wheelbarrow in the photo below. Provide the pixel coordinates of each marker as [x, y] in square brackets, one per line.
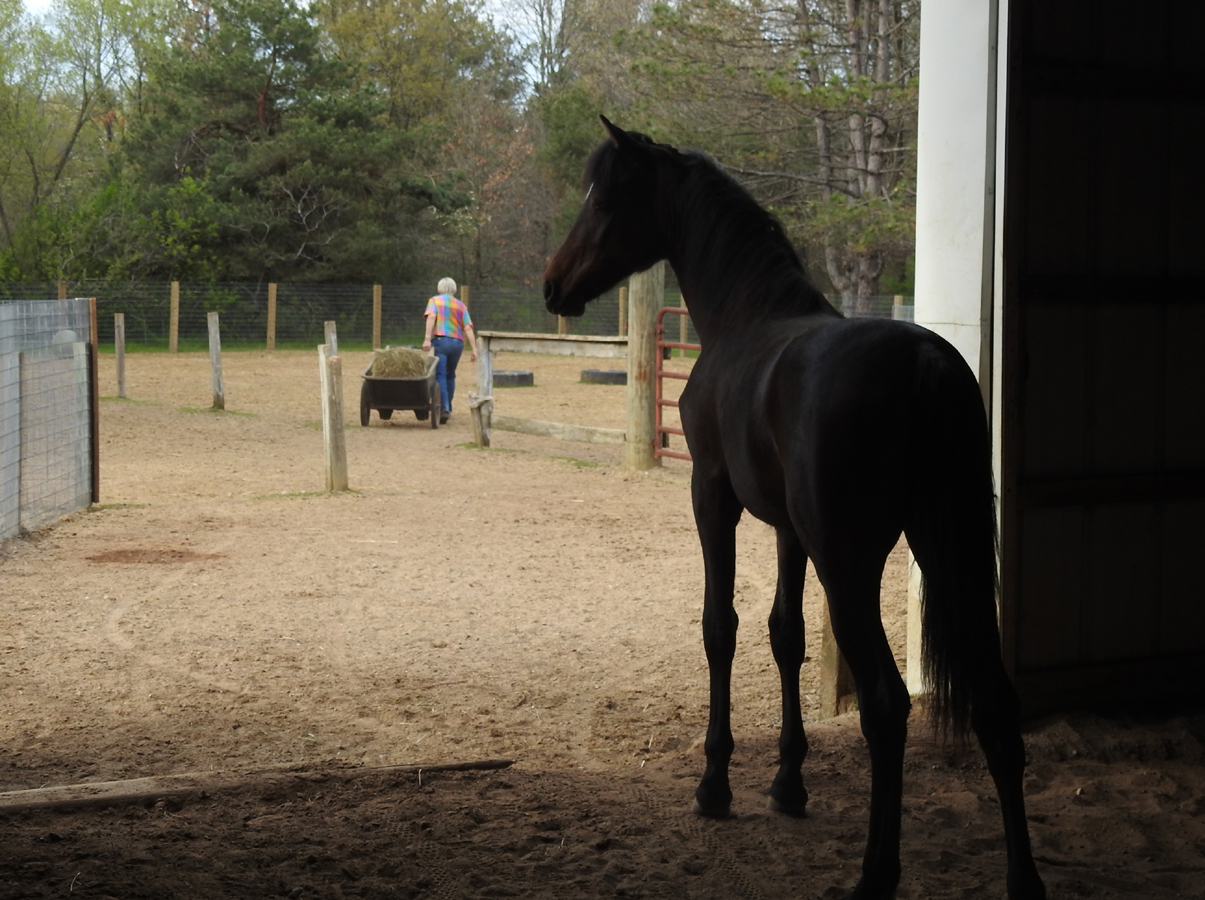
[400, 362]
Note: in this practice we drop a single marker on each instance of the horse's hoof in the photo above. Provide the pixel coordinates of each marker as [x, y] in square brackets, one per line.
[722, 811]
[1026, 884]
[879, 888]
[787, 794]
[713, 797]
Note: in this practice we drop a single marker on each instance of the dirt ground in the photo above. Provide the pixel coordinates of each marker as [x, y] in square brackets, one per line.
[219, 614]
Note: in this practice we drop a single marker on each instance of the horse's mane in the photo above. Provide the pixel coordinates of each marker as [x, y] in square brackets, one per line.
[742, 246]
[740, 249]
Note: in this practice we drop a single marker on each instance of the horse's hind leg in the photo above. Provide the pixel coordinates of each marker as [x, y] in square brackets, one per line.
[853, 603]
[995, 716]
[717, 512]
[787, 639]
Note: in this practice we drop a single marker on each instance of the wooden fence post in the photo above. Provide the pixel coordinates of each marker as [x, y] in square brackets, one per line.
[623, 311]
[173, 328]
[481, 410]
[62, 290]
[332, 337]
[837, 689]
[215, 361]
[334, 442]
[376, 317]
[272, 315]
[914, 670]
[645, 299]
[119, 351]
[464, 294]
[562, 325]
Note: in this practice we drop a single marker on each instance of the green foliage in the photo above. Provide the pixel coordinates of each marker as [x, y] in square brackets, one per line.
[414, 54]
[296, 154]
[244, 140]
[813, 107]
[391, 140]
[570, 117]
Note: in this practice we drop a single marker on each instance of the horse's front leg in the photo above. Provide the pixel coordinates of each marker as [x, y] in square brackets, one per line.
[717, 512]
[787, 640]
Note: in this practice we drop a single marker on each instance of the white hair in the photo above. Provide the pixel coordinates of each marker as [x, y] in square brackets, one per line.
[446, 286]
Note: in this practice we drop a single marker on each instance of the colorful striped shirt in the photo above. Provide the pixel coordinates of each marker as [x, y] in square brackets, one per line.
[451, 316]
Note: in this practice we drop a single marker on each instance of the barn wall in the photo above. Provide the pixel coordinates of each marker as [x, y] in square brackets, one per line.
[1104, 351]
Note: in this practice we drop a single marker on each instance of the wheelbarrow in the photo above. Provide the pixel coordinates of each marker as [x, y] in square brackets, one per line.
[386, 394]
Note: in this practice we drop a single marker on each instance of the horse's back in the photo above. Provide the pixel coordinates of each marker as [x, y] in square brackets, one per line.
[861, 393]
[820, 423]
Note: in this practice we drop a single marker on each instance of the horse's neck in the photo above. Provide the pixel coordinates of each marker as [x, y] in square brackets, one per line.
[730, 276]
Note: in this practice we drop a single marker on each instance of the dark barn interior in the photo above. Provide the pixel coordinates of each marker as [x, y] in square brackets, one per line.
[1103, 473]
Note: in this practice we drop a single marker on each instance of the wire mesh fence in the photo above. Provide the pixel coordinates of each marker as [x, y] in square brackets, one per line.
[45, 412]
[302, 309]
[45, 445]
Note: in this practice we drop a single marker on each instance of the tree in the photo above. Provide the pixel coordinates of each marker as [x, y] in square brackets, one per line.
[293, 161]
[62, 87]
[812, 105]
[416, 53]
[575, 70]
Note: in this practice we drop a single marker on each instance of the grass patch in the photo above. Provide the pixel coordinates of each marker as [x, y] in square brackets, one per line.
[218, 412]
[129, 400]
[472, 445]
[572, 460]
[580, 463]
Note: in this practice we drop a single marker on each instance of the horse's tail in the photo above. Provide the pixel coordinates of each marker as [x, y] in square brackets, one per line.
[954, 538]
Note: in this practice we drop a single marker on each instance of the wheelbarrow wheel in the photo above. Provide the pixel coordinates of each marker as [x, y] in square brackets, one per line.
[365, 409]
[434, 412]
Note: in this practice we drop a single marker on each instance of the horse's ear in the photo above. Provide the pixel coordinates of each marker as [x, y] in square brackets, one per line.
[620, 138]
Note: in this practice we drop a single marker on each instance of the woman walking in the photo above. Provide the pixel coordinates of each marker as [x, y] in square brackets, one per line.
[448, 324]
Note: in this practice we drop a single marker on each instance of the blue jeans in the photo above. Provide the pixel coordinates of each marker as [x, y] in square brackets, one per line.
[448, 351]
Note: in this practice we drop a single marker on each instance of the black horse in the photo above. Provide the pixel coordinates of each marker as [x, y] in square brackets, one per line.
[790, 413]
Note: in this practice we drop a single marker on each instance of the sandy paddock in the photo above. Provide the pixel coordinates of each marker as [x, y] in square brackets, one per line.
[219, 614]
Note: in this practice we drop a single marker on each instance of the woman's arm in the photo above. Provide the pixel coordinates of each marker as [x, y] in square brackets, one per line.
[430, 327]
[468, 332]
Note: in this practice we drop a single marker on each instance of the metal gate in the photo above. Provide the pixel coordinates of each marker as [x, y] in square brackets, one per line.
[663, 431]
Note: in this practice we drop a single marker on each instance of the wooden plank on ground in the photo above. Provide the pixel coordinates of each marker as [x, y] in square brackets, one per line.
[134, 791]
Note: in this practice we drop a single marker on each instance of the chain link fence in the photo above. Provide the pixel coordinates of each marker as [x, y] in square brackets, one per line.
[302, 309]
[45, 412]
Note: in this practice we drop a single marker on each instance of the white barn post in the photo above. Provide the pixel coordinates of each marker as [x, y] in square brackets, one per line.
[956, 216]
